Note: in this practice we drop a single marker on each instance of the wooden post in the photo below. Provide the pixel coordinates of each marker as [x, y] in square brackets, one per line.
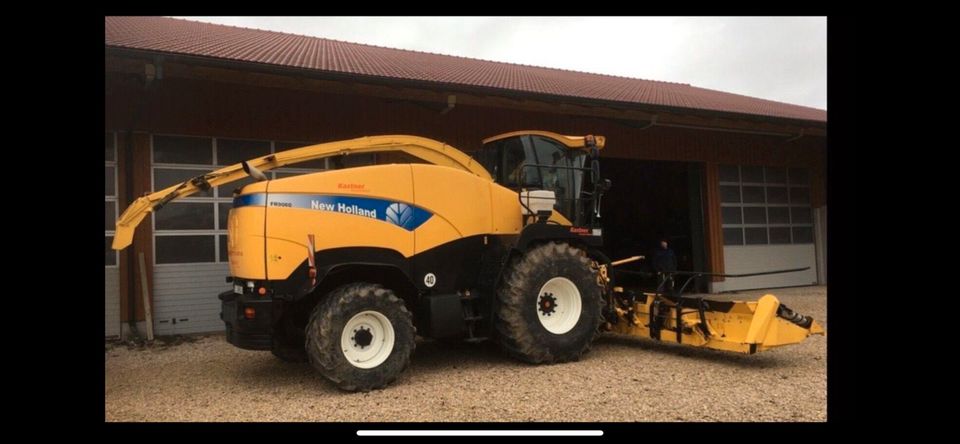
[147, 313]
[714, 220]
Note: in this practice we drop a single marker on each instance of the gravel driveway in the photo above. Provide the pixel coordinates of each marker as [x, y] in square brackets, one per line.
[620, 379]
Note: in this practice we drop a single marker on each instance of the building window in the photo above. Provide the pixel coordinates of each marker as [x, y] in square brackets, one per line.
[194, 229]
[182, 150]
[185, 249]
[184, 231]
[110, 197]
[765, 205]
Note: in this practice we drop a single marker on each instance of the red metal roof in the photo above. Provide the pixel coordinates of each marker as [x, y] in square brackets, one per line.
[257, 46]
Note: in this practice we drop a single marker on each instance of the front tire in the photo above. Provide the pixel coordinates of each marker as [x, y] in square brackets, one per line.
[549, 305]
[360, 336]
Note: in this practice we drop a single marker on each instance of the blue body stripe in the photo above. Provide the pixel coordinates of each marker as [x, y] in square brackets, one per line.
[401, 214]
[259, 199]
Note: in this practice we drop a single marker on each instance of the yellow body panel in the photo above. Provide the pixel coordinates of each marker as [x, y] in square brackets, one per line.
[506, 214]
[286, 250]
[435, 232]
[460, 203]
[245, 242]
[288, 228]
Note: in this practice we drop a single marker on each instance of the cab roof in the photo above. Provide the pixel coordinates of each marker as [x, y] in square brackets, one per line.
[569, 141]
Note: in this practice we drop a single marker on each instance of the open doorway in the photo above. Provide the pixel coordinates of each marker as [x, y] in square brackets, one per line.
[650, 201]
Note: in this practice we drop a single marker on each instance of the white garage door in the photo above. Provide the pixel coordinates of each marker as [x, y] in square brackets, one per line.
[185, 299]
[111, 285]
[767, 225]
[190, 236]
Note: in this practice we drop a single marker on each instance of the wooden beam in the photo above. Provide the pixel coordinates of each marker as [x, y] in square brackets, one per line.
[714, 222]
[123, 199]
[139, 173]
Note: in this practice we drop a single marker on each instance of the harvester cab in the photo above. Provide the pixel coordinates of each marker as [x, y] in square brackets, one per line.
[546, 169]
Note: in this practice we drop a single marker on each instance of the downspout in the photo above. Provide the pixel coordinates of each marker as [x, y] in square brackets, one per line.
[653, 122]
[451, 103]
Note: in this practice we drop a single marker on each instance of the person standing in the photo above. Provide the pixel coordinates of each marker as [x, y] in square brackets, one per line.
[664, 263]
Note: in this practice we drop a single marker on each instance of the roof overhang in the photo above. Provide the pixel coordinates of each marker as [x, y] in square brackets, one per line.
[632, 114]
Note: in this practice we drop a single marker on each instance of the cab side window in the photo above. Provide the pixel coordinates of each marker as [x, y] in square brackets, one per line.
[488, 156]
[514, 158]
[550, 155]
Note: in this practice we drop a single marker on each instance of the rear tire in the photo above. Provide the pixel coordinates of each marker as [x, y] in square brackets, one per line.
[360, 336]
[549, 305]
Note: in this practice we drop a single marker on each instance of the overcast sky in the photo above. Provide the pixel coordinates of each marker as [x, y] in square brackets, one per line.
[782, 59]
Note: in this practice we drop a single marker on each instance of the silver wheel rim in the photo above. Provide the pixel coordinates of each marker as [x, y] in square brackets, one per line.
[558, 305]
[367, 339]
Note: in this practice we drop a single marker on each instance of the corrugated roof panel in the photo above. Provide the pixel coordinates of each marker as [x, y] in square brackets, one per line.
[268, 47]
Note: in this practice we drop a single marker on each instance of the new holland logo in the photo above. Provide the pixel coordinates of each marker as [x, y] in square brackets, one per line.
[399, 214]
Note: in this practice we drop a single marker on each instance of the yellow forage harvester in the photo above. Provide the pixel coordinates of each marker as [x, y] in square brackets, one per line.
[344, 268]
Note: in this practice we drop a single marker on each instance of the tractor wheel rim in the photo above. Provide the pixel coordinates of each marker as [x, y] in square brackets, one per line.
[367, 339]
[558, 305]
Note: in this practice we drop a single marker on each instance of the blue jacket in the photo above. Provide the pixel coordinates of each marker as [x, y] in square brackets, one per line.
[664, 260]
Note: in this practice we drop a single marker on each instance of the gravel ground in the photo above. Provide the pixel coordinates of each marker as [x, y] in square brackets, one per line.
[620, 379]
